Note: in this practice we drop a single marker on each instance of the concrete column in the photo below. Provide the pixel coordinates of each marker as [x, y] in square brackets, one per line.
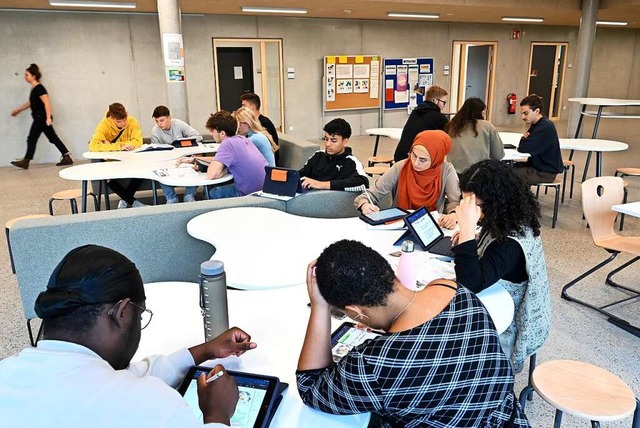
[170, 21]
[582, 64]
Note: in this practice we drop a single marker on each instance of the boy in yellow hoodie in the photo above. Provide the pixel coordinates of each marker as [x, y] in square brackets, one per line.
[119, 131]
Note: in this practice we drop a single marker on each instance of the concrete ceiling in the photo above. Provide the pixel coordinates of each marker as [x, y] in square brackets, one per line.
[554, 12]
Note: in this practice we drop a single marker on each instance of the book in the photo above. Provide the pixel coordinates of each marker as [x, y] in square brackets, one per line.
[176, 172]
[153, 147]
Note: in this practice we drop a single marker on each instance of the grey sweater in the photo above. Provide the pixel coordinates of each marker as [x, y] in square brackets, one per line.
[179, 129]
[467, 149]
[388, 183]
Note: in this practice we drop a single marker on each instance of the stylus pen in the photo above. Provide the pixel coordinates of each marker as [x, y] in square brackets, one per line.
[216, 376]
[369, 198]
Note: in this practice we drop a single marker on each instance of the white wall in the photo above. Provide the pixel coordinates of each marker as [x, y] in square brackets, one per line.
[91, 60]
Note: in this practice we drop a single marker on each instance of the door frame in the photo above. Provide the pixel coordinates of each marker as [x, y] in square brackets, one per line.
[459, 72]
[555, 81]
[264, 96]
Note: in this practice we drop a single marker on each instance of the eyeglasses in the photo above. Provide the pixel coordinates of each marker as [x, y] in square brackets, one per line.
[444, 103]
[418, 160]
[145, 316]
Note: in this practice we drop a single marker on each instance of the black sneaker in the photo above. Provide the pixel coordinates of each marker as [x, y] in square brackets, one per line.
[22, 163]
[65, 160]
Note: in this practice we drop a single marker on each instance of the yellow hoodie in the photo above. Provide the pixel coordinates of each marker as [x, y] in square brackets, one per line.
[107, 130]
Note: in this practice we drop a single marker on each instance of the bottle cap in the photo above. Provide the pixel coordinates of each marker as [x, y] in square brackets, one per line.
[407, 246]
[212, 267]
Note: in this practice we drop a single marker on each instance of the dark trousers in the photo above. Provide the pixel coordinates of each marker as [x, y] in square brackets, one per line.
[126, 189]
[530, 175]
[37, 128]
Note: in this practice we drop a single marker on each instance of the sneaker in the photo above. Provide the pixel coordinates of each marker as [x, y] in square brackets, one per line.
[171, 201]
[65, 160]
[22, 163]
[189, 198]
[122, 204]
[138, 204]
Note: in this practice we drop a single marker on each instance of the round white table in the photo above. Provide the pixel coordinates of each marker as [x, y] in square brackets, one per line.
[152, 156]
[271, 249]
[592, 145]
[394, 133]
[601, 103]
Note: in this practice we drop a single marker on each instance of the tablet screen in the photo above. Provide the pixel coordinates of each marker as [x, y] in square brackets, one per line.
[424, 226]
[388, 214]
[347, 337]
[251, 400]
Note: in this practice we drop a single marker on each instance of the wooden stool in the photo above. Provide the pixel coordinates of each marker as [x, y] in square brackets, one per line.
[568, 164]
[7, 228]
[380, 159]
[585, 391]
[375, 170]
[556, 186]
[71, 196]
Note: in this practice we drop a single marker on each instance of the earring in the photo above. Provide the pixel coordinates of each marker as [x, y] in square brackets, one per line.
[360, 316]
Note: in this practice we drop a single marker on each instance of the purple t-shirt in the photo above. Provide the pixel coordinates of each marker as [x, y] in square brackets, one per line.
[244, 161]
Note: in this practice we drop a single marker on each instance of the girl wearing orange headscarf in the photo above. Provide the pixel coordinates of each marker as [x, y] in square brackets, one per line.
[423, 179]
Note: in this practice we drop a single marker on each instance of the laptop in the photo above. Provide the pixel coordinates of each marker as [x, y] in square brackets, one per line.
[281, 183]
[425, 231]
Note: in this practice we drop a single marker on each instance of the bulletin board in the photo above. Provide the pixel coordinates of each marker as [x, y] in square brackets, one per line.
[406, 81]
[351, 82]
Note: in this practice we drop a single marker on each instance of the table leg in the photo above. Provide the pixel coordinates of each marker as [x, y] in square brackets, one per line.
[586, 166]
[84, 196]
[155, 192]
[107, 202]
[579, 128]
[375, 148]
[595, 127]
[598, 164]
[99, 202]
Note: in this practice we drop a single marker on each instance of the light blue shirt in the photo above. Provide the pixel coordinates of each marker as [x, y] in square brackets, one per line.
[264, 146]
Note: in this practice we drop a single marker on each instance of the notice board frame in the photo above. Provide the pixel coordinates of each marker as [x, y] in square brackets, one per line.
[351, 100]
[423, 63]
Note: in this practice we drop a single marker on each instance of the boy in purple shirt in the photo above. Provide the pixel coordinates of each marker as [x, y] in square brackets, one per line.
[236, 155]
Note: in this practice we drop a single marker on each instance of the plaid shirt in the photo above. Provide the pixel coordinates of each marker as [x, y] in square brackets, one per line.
[447, 372]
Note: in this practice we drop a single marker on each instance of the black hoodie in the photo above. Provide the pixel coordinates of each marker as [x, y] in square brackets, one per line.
[344, 171]
[425, 117]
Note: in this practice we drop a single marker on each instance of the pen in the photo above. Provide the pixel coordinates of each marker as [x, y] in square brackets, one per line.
[215, 376]
[369, 198]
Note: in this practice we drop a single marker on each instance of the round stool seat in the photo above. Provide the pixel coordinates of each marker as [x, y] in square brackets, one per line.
[376, 170]
[380, 159]
[584, 390]
[67, 194]
[628, 171]
[556, 183]
[9, 223]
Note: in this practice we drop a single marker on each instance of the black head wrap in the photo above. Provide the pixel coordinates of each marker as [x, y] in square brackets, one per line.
[89, 275]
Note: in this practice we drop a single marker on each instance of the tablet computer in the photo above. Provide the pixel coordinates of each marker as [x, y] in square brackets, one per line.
[348, 336]
[384, 216]
[185, 142]
[424, 230]
[510, 146]
[258, 400]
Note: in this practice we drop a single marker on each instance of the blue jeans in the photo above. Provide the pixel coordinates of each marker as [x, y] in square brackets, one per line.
[219, 192]
[170, 193]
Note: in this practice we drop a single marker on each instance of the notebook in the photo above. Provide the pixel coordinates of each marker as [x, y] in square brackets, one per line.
[280, 183]
[425, 231]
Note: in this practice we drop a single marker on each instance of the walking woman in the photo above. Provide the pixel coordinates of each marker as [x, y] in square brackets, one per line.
[42, 120]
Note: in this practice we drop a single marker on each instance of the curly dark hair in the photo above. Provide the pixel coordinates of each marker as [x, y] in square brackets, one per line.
[469, 114]
[533, 101]
[222, 121]
[350, 273]
[508, 204]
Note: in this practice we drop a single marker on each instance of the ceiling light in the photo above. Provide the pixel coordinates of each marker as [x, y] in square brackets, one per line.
[620, 23]
[250, 9]
[516, 19]
[106, 4]
[413, 15]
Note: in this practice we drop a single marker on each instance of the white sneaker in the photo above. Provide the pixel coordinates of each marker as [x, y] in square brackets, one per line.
[122, 204]
[171, 201]
[189, 198]
[138, 204]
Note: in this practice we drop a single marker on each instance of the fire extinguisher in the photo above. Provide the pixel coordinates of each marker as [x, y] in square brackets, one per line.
[512, 99]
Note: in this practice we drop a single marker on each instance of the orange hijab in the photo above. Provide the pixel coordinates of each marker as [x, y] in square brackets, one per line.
[422, 188]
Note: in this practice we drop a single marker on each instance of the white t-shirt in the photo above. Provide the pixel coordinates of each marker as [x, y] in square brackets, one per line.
[63, 384]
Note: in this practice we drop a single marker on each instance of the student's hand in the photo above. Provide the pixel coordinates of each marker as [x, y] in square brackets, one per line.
[185, 159]
[234, 341]
[15, 112]
[455, 238]
[310, 183]
[448, 221]
[317, 301]
[128, 147]
[49, 121]
[368, 208]
[217, 399]
[468, 216]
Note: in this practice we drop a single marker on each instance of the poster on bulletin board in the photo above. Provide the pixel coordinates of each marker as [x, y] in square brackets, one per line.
[406, 81]
[351, 82]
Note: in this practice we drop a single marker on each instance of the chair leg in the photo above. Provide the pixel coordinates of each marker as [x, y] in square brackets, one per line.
[96, 202]
[555, 207]
[30, 330]
[573, 179]
[636, 416]
[525, 394]
[51, 206]
[564, 183]
[595, 424]
[624, 201]
[565, 289]
[537, 191]
[74, 206]
[13, 266]
[557, 421]
[612, 283]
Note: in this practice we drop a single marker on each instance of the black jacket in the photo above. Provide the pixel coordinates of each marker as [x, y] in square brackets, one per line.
[425, 117]
[543, 145]
[345, 172]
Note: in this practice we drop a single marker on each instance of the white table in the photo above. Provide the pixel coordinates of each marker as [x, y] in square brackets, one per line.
[104, 171]
[632, 208]
[275, 319]
[152, 156]
[394, 133]
[601, 103]
[271, 249]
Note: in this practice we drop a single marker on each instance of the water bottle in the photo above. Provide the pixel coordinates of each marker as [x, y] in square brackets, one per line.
[407, 269]
[213, 299]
